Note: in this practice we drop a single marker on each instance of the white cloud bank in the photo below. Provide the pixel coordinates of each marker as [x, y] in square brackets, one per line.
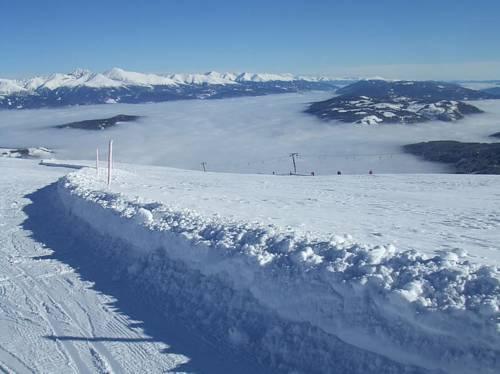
[252, 134]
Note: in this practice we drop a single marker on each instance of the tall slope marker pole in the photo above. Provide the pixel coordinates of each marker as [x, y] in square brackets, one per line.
[97, 161]
[110, 161]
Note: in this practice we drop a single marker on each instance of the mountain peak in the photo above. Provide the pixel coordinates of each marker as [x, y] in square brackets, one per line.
[80, 72]
[117, 76]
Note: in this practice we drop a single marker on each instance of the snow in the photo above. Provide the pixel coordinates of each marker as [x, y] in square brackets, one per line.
[370, 120]
[432, 109]
[117, 77]
[249, 77]
[172, 270]
[299, 274]
[138, 79]
[10, 86]
[457, 224]
[61, 308]
[62, 80]
[34, 83]
[37, 152]
[364, 299]
[208, 78]
[100, 80]
[387, 106]
[78, 78]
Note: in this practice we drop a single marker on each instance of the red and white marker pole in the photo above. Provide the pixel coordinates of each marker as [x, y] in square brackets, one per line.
[110, 161]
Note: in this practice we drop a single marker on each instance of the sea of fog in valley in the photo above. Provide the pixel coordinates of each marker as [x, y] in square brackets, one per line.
[248, 135]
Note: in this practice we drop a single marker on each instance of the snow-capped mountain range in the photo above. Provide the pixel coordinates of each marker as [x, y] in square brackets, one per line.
[82, 87]
[117, 77]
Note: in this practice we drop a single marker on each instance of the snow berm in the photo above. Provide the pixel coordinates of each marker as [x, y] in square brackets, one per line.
[295, 302]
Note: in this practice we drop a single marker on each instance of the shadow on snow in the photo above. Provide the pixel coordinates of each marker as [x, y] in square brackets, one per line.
[49, 225]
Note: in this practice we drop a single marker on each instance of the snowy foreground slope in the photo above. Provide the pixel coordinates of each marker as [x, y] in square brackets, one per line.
[308, 301]
[61, 311]
[430, 212]
[259, 266]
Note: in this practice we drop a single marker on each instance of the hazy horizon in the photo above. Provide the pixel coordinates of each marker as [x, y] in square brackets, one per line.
[360, 72]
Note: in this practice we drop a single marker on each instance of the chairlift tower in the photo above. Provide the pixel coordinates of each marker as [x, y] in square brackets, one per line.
[293, 156]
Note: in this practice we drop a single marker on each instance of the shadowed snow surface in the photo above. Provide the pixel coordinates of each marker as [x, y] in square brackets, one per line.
[63, 310]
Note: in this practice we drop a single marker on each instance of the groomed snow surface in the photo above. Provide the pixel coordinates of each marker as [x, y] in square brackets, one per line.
[174, 270]
[291, 299]
[62, 310]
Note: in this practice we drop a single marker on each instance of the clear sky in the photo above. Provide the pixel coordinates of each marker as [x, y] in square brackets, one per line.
[435, 39]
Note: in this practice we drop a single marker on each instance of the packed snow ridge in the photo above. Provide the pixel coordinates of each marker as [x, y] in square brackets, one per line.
[296, 302]
[117, 77]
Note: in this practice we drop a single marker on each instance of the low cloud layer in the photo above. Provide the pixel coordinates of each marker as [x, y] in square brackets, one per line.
[250, 135]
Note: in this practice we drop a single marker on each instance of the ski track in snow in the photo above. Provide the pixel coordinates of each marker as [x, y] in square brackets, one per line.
[53, 320]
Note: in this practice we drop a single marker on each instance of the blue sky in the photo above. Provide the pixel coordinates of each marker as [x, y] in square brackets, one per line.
[447, 39]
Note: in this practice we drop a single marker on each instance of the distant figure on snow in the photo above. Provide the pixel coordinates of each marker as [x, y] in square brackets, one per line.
[339, 173]
[370, 172]
[312, 173]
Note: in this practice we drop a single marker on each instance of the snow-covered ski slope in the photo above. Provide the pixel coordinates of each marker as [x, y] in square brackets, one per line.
[431, 213]
[61, 309]
[261, 262]
[349, 274]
